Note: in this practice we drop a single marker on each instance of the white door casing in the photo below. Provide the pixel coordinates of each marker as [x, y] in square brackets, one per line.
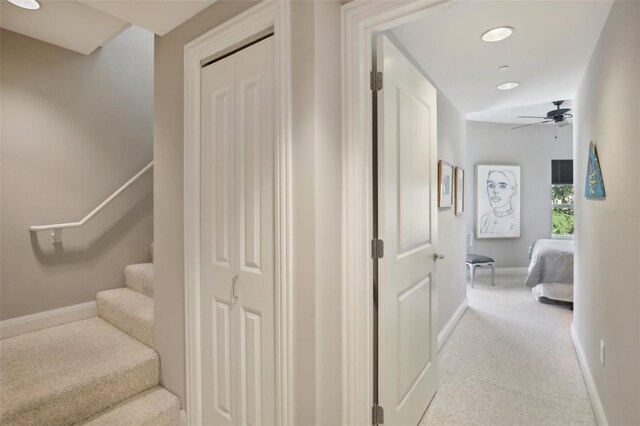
[360, 21]
[407, 215]
[276, 17]
[237, 285]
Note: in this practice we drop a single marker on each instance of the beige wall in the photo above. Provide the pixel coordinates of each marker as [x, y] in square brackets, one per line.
[607, 289]
[74, 128]
[316, 155]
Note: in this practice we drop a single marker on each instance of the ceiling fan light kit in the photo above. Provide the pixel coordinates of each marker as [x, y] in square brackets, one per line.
[558, 116]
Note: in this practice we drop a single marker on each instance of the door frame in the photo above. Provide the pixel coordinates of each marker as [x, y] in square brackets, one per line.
[362, 19]
[269, 14]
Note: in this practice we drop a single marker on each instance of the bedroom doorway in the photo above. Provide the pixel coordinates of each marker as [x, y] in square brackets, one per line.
[444, 41]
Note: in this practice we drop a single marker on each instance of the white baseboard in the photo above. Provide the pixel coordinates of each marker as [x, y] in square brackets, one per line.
[182, 418]
[451, 324]
[596, 403]
[34, 322]
[480, 272]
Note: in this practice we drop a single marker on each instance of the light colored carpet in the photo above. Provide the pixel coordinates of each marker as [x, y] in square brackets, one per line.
[130, 311]
[139, 277]
[155, 407]
[64, 374]
[510, 361]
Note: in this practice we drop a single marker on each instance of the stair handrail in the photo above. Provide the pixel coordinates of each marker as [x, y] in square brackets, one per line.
[56, 235]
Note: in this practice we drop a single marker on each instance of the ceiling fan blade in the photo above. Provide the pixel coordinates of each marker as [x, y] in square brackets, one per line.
[530, 116]
[532, 124]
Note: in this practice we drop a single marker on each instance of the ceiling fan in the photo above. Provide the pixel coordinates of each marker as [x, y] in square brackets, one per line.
[559, 116]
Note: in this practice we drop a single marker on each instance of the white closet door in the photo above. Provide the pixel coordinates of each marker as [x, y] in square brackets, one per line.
[218, 242]
[237, 191]
[255, 228]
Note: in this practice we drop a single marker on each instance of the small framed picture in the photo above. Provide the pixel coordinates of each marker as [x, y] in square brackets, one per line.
[459, 191]
[445, 184]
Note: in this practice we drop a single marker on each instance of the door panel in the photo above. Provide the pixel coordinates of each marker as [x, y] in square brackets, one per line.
[255, 174]
[218, 241]
[407, 181]
[250, 97]
[237, 215]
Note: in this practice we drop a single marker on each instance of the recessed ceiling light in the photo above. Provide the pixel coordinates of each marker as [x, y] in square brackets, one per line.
[497, 34]
[26, 4]
[508, 86]
[503, 68]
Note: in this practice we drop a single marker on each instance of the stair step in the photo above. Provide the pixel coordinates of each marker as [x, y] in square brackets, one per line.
[139, 277]
[130, 311]
[155, 407]
[67, 373]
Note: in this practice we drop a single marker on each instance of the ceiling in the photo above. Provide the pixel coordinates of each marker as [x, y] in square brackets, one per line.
[547, 54]
[83, 26]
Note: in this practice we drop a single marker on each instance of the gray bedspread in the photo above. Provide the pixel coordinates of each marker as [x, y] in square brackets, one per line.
[551, 262]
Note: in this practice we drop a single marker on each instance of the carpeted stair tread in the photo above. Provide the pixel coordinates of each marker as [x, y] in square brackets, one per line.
[139, 277]
[64, 374]
[130, 311]
[155, 407]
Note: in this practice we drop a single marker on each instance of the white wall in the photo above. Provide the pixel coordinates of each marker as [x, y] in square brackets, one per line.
[74, 128]
[452, 283]
[532, 148]
[607, 289]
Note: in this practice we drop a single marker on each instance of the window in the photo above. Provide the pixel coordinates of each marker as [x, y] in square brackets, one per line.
[561, 198]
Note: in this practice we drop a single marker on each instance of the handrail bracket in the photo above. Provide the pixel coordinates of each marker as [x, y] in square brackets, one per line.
[56, 236]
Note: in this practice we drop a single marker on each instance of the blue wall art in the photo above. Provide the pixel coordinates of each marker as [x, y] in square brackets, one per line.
[594, 185]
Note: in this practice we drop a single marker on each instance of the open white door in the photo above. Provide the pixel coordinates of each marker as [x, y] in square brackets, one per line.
[407, 214]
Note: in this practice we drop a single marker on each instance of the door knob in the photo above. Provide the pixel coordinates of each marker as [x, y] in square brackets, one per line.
[437, 256]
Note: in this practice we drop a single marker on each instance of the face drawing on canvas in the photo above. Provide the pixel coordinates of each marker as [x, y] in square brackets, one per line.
[501, 190]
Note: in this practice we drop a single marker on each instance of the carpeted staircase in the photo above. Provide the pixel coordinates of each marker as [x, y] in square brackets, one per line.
[98, 371]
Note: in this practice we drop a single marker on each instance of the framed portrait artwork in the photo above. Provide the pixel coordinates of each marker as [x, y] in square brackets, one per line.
[445, 184]
[497, 201]
[459, 191]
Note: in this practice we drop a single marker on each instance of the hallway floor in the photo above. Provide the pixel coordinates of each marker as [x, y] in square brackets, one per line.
[510, 361]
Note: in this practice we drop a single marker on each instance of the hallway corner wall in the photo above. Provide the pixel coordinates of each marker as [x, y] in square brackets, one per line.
[607, 262]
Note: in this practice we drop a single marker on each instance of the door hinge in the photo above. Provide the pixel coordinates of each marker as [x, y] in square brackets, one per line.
[377, 248]
[377, 415]
[376, 81]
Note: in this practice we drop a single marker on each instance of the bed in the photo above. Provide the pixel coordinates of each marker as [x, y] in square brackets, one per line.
[551, 270]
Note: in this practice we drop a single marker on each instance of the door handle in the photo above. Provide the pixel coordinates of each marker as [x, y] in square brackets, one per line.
[437, 256]
[234, 281]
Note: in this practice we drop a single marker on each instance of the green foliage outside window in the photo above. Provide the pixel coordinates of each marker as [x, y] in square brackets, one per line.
[562, 210]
